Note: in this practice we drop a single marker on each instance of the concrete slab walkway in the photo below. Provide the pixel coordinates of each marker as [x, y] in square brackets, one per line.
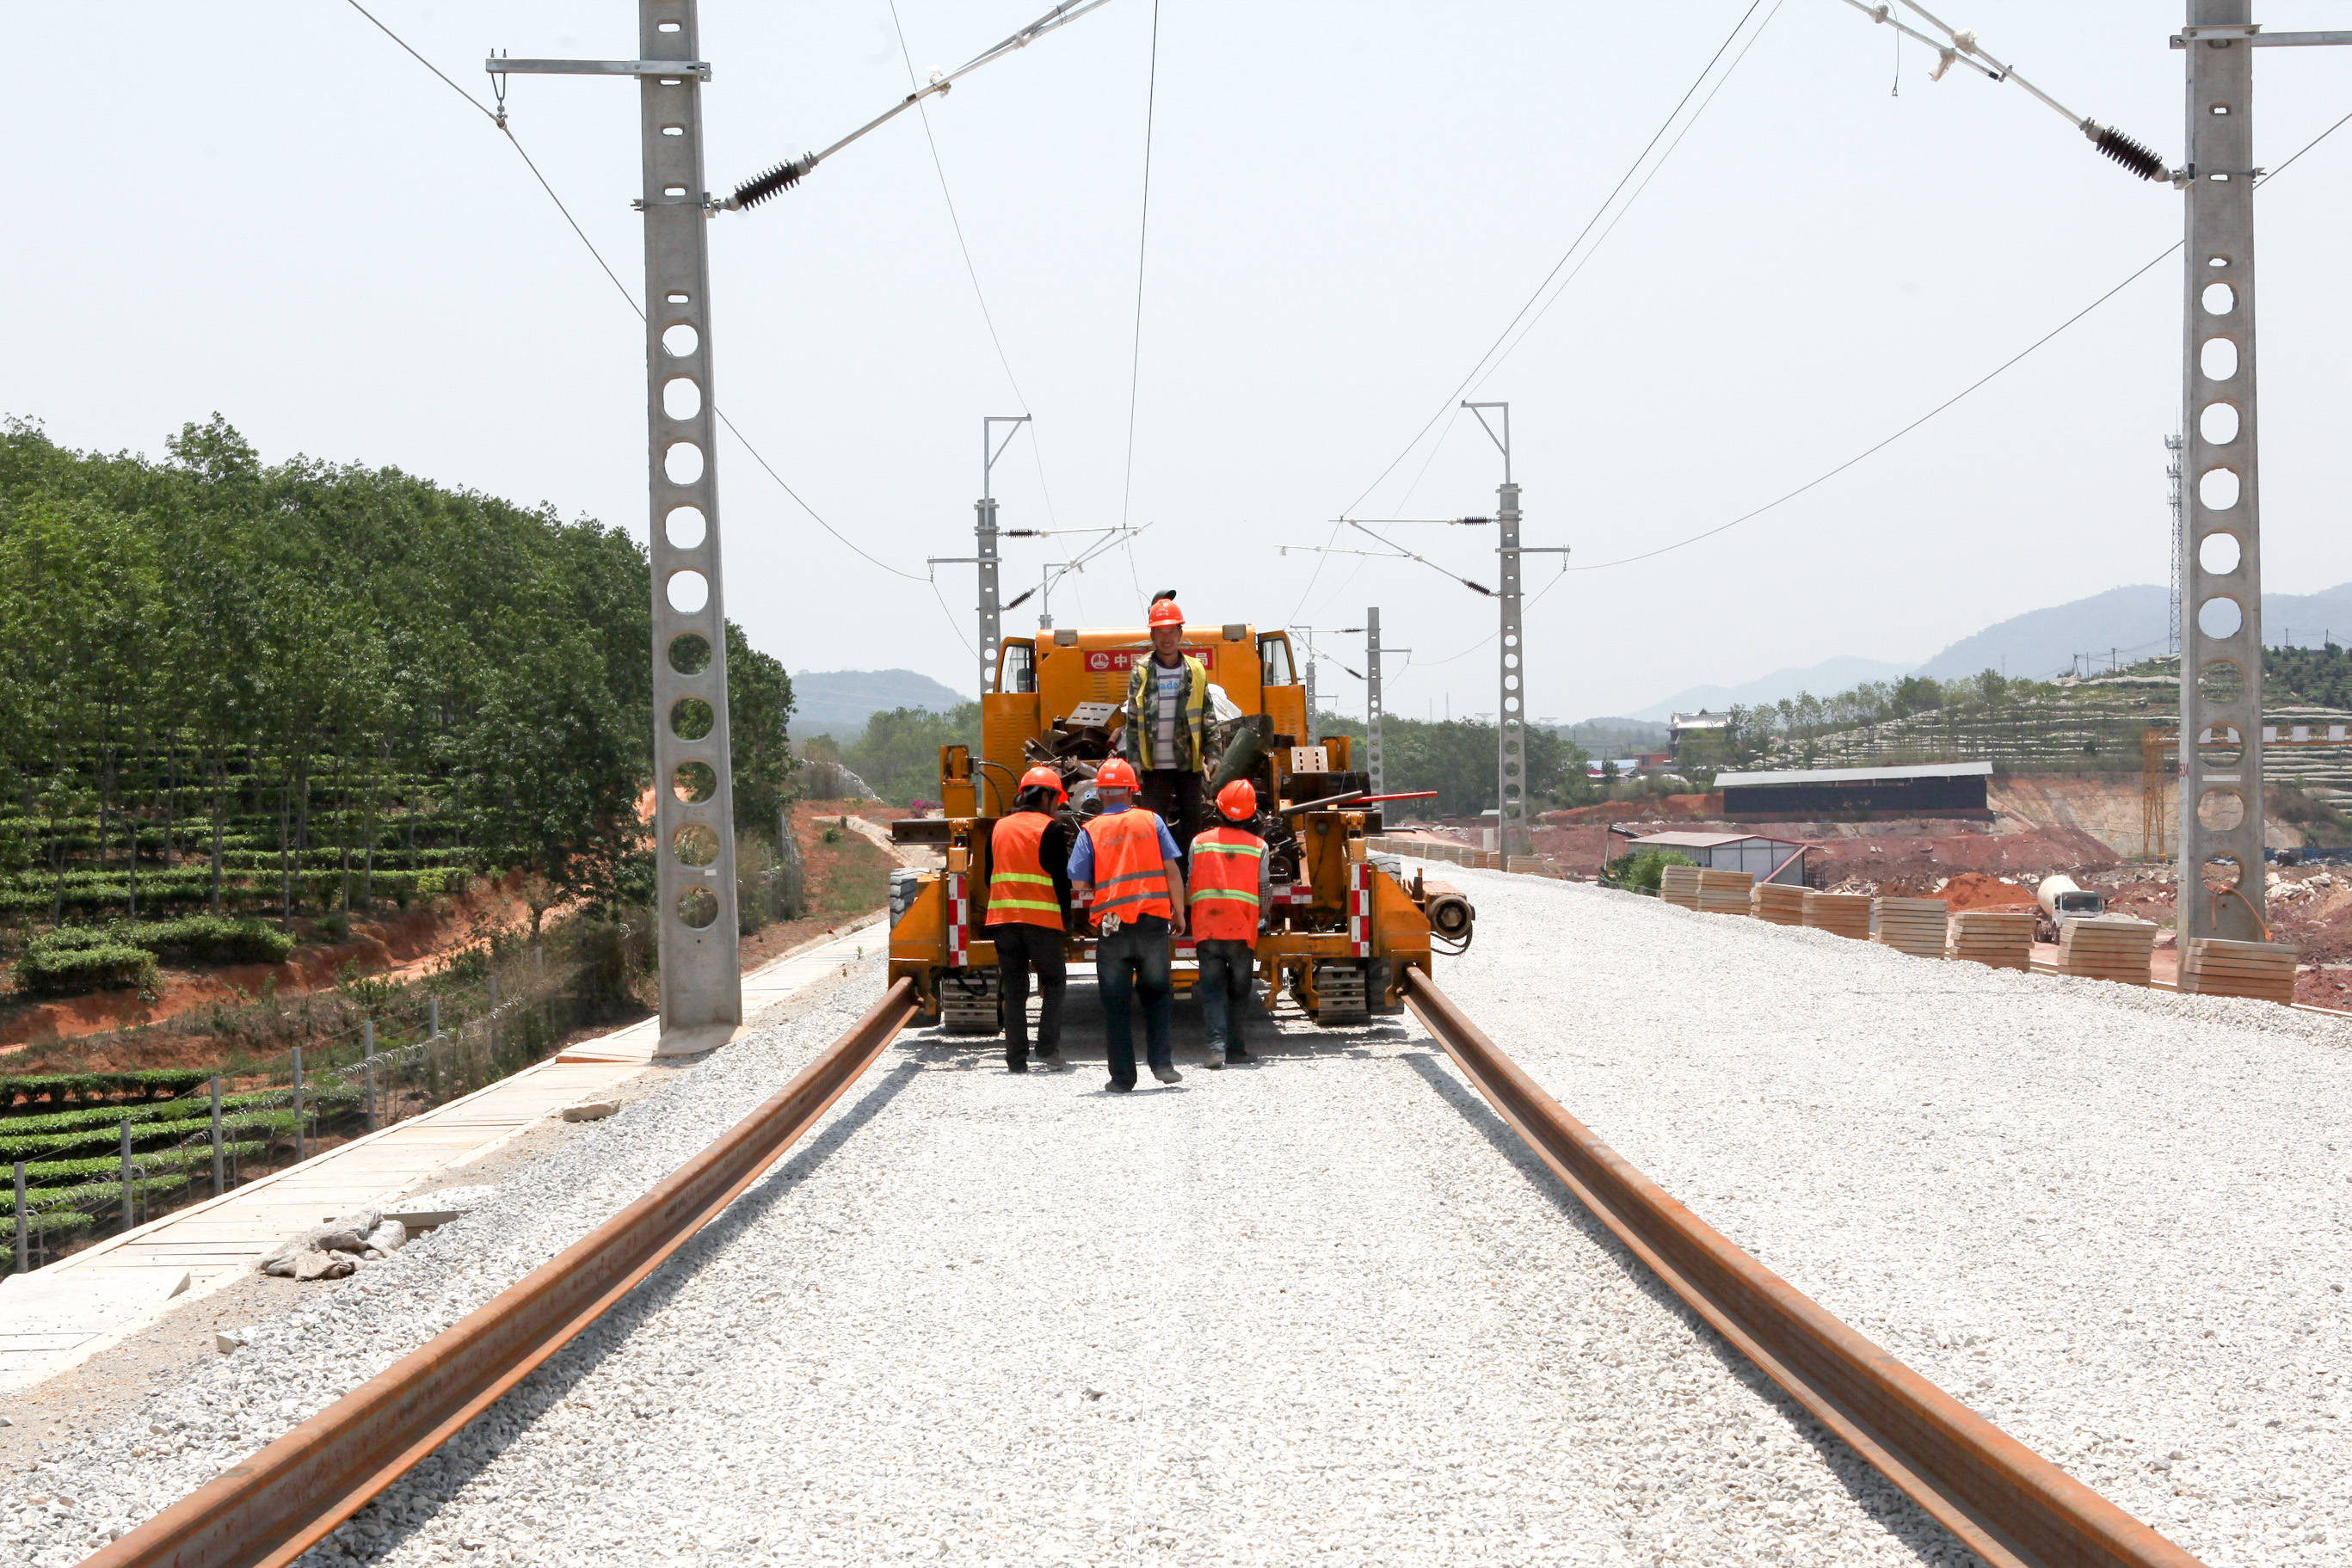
[54, 1317]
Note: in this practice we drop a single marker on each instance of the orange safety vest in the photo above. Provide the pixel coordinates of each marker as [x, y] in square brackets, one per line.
[1222, 888]
[1020, 893]
[1131, 879]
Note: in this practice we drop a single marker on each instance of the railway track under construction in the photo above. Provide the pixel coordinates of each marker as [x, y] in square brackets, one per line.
[1994, 1494]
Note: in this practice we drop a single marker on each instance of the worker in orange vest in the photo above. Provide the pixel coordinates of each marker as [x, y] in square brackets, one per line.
[1229, 887]
[1126, 860]
[1027, 907]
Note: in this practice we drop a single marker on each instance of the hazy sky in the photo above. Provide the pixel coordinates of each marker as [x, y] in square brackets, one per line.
[266, 209]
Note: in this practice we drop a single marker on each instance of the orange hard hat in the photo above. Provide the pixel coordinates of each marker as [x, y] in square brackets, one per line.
[1165, 613]
[1238, 801]
[1117, 774]
[1045, 777]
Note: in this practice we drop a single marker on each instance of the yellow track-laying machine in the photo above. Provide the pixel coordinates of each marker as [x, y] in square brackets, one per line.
[1343, 925]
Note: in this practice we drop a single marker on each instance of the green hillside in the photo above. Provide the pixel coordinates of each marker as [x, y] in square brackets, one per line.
[229, 686]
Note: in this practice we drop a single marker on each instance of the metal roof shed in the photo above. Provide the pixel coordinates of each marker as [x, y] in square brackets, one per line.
[1927, 790]
[1765, 859]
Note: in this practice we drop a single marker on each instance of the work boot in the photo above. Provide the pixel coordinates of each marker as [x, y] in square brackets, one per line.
[1116, 1087]
[1167, 1075]
[1216, 1060]
[1235, 1056]
[1016, 1064]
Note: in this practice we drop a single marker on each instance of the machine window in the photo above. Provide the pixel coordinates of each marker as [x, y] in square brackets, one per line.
[1273, 662]
[1017, 671]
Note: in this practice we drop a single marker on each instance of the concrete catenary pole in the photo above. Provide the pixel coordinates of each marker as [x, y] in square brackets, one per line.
[1510, 717]
[1375, 700]
[991, 595]
[990, 607]
[1511, 725]
[694, 789]
[2220, 803]
[985, 559]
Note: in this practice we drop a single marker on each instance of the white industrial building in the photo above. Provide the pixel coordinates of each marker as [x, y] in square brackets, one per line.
[1765, 859]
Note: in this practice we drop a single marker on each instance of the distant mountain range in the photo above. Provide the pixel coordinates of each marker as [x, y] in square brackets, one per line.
[839, 702]
[1829, 675]
[2123, 624]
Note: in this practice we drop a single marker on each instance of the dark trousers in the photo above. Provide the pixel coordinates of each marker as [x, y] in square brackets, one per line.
[1019, 949]
[1175, 793]
[1228, 985]
[1132, 959]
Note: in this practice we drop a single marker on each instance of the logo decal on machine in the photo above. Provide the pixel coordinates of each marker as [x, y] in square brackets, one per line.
[1122, 660]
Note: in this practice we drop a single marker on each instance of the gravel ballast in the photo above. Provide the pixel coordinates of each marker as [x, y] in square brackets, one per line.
[339, 1334]
[1323, 1308]
[2112, 1220]
[1326, 1308]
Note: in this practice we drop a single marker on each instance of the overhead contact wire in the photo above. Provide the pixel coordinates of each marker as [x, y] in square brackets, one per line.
[972, 271]
[1622, 180]
[1663, 159]
[1143, 244]
[1813, 484]
[500, 121]
[1496, 361]
[488, 112]
[1602, 566]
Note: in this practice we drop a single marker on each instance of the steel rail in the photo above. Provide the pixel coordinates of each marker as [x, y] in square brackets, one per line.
[275, 1505]
[2004, 1501]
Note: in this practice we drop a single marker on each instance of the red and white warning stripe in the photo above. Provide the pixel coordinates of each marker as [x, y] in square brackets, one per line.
[1359, 909]
[958, 929]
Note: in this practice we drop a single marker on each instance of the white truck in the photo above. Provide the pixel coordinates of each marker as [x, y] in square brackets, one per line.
[2062, 899]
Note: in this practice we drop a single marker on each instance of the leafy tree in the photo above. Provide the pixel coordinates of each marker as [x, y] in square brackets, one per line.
[334, 663]
[759, 726]
[898, 755]
[1914, 694]
[1641, 871]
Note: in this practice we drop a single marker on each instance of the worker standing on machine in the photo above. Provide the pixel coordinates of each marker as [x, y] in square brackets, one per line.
[1027, 909]
[1127, 860]
[1167, 734]
[1230, 883]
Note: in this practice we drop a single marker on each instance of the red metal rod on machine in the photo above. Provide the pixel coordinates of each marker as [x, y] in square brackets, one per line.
[1355, 797]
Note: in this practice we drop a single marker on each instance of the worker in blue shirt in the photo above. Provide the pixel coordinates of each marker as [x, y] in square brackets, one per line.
[1127, 862]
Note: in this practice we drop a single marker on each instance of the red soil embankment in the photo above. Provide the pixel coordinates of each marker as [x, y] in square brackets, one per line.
[1925, 861]
[1656, 808]
[397, 948]
[1975, 889]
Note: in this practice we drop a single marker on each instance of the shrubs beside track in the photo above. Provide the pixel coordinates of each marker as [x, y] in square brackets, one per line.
[72, 1181]
[261, 1111]
[112, 965]
[192, 939]
[253, 890]
[70, 959]
[93, 1089]
[73, 1173]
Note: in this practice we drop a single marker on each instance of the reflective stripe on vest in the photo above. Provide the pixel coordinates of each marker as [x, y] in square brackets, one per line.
[1019, 890]
[1224, 882]
[1130, 876]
